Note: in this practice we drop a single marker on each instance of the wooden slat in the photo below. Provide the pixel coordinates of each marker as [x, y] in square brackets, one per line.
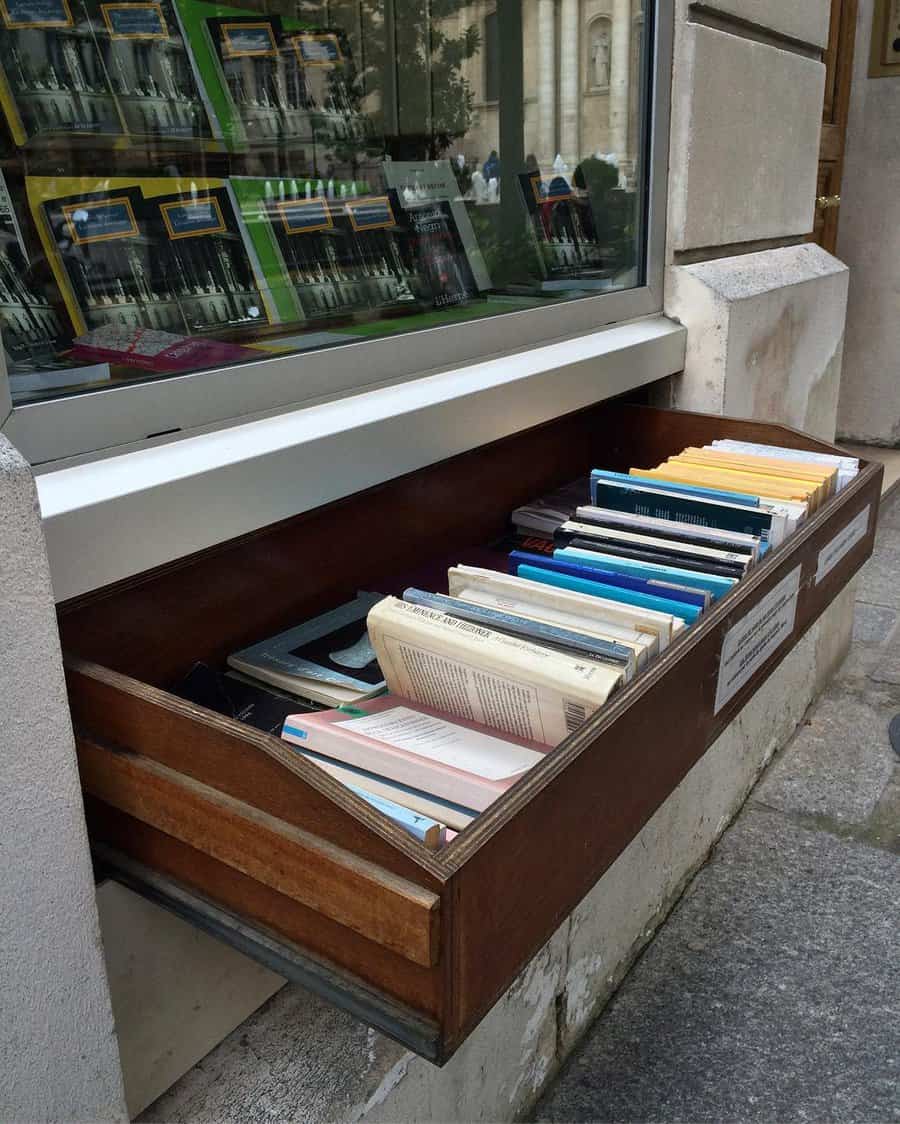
[333, 881]
[420, 988]
[253, 767]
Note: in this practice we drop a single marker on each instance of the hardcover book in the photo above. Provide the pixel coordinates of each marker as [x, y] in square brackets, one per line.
[329, 659]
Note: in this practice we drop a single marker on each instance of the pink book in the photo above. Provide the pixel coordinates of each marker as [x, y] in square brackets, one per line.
[413, 745]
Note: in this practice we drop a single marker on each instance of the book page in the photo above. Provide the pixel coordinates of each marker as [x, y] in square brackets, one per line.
[444, 742]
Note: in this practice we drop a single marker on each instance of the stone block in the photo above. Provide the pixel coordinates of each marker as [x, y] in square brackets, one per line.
[176, 991]
[807, 21]
[765, 336]
[731, 180]
[867, 241]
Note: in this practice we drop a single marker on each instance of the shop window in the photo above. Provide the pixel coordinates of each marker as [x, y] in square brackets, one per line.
[243, 193]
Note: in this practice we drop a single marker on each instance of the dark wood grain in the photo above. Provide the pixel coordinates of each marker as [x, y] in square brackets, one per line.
[250, 766]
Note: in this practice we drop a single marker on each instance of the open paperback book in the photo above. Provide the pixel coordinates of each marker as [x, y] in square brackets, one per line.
[474, 673]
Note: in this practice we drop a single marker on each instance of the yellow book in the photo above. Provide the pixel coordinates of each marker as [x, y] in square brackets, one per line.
[814, 481]
[744, 480]
[768, 466]
[762, 486]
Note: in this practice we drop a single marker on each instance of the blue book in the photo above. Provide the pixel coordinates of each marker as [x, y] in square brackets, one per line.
[426, 830]
[686, 613]
[716, 585]
[599, 475]
[373, 786]
[665, 503]
[698, 597]
[539, 632]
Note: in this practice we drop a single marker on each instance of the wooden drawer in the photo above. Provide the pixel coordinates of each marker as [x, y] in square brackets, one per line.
[236, 830]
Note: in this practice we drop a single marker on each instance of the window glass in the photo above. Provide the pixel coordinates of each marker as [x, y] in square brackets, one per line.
[189, 185]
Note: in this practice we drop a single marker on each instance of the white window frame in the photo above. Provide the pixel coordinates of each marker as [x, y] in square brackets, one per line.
[109, 421]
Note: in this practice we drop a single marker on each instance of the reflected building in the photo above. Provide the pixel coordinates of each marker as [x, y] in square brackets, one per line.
[581, 76]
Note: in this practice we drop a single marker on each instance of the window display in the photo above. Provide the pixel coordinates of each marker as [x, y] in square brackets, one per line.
[188, 184]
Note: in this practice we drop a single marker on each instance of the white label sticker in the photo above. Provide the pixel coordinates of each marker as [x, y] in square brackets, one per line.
[749, 643]
[842, 543]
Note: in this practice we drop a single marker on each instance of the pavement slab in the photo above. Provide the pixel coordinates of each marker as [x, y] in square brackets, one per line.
[769, 995]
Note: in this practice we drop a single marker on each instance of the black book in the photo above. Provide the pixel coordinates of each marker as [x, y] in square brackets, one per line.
[253, 704]
[654, 557]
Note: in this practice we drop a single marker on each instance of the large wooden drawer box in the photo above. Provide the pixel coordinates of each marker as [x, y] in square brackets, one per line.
[234, 828]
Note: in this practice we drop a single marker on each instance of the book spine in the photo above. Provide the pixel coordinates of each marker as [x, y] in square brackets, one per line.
[652, 557]
[608, 577]
[537, 631]
[695, 491]
[717, 586]
[645, 501]
[687, 613]
[670, 529]
[670, 543]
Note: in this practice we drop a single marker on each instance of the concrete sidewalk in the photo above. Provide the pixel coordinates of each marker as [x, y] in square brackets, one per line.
[772, 992]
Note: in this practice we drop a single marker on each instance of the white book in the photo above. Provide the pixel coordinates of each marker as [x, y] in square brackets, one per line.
[847, 466]
[666, 546]
[643, 644]
[649, 523]
[484, 676]
[599, 610]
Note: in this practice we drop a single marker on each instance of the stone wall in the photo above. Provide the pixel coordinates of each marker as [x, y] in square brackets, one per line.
[869, 408]
[58, 1054]
[765, 313]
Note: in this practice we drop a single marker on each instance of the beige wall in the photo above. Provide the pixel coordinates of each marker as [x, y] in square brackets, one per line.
[869, 242]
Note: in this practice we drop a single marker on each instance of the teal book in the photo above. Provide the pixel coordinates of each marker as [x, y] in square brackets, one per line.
[697, 491]
[716, 585]
[686, 613]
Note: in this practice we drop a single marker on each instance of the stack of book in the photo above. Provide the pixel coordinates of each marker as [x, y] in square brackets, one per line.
[441, 701]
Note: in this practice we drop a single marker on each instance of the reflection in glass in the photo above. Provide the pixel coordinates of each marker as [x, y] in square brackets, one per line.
[187, 184]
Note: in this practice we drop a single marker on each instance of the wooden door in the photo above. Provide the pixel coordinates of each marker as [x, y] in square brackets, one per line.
[839, 75]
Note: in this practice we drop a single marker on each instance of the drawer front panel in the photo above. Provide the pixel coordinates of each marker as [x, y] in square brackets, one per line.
[237, 761]
[389, 910]
[419, 988]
